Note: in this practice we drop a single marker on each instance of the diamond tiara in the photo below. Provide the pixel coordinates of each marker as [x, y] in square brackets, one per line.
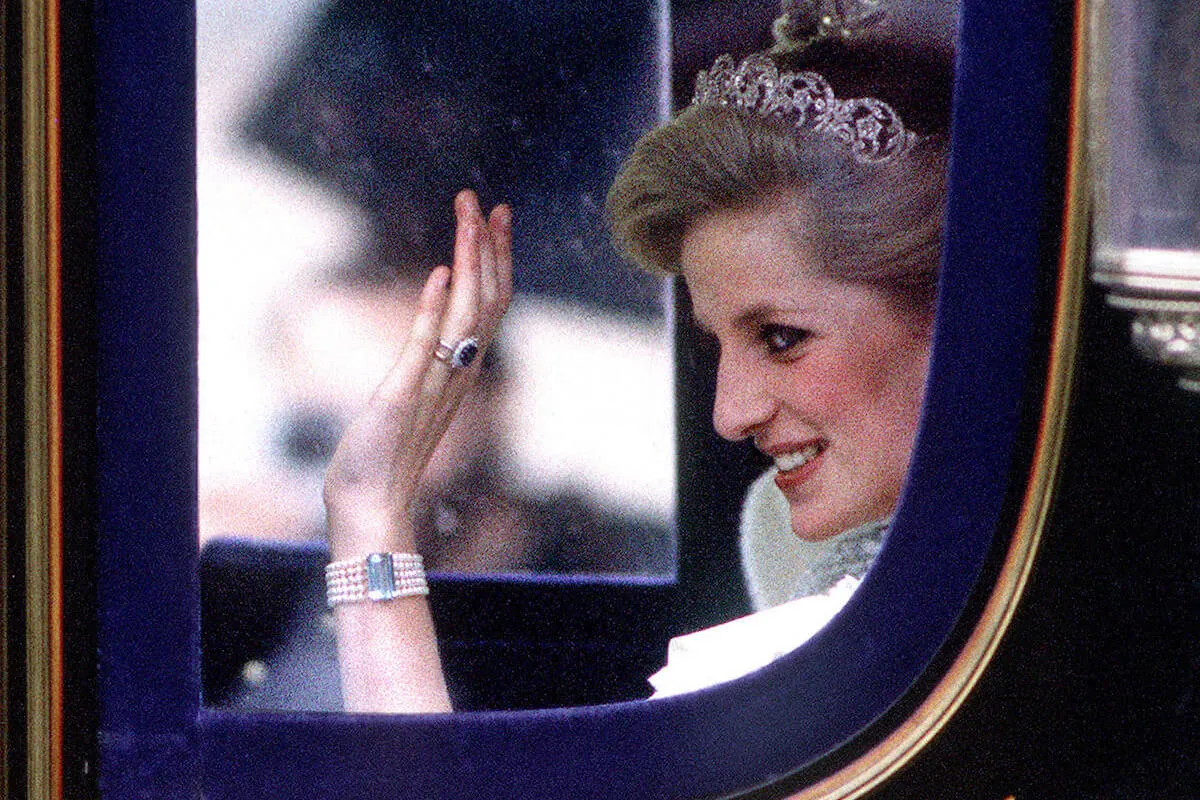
[869, 128]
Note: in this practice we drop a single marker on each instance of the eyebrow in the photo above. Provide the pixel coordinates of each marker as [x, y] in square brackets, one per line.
[752, 316]
[759, 313]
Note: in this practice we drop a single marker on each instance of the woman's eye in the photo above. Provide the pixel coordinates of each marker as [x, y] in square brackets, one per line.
[781, 338]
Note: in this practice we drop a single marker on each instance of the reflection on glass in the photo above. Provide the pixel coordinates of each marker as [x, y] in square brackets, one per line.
[333, 137]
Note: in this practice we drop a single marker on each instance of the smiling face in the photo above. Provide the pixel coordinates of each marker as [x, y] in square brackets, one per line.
[825, 376]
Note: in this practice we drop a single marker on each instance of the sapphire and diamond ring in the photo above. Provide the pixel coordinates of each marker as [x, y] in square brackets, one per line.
[457, 355]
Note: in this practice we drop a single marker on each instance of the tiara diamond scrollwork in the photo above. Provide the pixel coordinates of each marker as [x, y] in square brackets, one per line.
[869, 128]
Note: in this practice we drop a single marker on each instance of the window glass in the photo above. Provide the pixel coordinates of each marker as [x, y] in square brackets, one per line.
[332, 137]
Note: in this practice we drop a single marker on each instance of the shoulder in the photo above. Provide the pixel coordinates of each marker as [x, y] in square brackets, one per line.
[736, 648]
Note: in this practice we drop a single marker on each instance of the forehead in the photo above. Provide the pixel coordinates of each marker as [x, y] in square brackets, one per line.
[738, 260]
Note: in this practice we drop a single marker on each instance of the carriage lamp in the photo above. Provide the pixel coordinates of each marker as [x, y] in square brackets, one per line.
[1144, 109]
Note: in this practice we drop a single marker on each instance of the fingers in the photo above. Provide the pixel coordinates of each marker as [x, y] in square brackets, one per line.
[468, 300]
[389, 445]
[500, 228]
[482, 287]
[489, 288]
[462, 317]
[410, 368]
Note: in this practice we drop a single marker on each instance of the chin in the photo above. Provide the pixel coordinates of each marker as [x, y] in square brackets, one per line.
[815, 528]
[811, 530]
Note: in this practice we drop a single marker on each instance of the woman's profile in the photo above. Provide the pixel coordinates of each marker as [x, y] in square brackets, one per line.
[800, 200]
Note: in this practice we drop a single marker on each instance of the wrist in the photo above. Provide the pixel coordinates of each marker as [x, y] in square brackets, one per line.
[355, 536]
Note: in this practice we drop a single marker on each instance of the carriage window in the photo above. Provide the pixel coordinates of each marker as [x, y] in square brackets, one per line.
[332, 139]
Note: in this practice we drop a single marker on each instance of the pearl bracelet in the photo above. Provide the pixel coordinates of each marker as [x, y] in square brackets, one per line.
[379, 576]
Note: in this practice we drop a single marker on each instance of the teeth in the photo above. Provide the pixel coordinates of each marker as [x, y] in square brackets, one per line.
[790, 461]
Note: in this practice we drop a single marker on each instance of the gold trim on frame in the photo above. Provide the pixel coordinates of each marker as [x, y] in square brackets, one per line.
[877, 765]
[6, 709]
[40, 200]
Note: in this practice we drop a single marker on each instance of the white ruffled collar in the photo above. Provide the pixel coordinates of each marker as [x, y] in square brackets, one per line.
[796, 588]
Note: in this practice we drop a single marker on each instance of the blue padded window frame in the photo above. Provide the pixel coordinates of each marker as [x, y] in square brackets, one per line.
[156, 740]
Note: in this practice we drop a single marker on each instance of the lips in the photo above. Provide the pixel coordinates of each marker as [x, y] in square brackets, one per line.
[794, 459]
[794, 465]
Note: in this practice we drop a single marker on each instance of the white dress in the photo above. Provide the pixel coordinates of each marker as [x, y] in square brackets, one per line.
[796, 588]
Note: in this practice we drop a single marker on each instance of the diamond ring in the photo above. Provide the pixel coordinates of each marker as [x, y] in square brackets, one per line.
[457, 354]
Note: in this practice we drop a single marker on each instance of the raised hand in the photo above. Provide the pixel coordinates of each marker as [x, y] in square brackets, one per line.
[371, 481]
[387, 651]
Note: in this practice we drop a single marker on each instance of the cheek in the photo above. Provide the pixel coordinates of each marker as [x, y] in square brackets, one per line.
[870, 389]
[819, 390]
[891, 364]
[892, 402]
[837, 382]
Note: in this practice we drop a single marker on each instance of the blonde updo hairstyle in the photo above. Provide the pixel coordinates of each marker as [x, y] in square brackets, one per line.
[878, 225]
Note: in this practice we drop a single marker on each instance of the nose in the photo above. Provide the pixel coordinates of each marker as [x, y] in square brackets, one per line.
[743, 403]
